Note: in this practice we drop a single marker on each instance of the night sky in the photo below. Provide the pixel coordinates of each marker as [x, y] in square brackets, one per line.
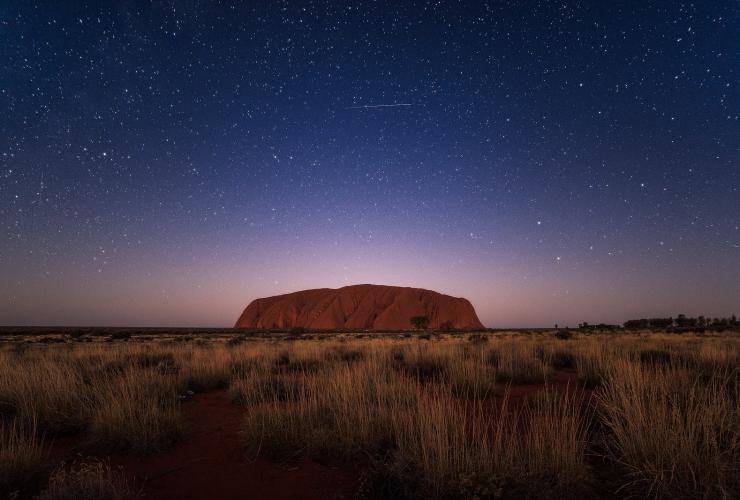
[554, 162]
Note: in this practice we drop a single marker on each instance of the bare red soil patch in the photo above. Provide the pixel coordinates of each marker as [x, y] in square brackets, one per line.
[561, 381]
[211, 463]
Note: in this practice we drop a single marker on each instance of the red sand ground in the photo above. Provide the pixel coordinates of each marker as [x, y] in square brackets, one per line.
[211, 463]
[560, 381]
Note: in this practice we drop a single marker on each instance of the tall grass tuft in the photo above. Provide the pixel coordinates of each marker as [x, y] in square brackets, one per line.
[138, 413]
[43, 393]
[22, 459]
[422, 420]
[674, 435]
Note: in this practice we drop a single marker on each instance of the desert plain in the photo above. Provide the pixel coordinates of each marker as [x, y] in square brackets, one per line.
[126, 413]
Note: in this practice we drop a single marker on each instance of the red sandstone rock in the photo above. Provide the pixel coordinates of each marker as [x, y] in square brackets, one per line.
[375, 307]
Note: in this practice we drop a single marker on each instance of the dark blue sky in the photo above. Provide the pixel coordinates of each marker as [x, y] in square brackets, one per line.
[164, 163]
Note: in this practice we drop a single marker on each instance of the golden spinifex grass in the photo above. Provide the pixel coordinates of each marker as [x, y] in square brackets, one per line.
[429, 411]
[676, 434]
[120, 402]
[520, 362]
[22, 457]
[137, 411]
[445, 417]
[38, 389]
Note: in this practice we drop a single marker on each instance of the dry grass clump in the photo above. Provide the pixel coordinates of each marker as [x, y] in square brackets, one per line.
[558, 425]
[592, 359]
[425, 364]
[138, 413]
[124, 397]
[335, 413]
[676, 436]
[344, 354]
[458, 368]
[519, 362]
[43, 393]
[162, 361]
[252, 386]
[419, 419]
[88, 480]
[428, 418]
[205, 369]
[463, 450]
[472, 379]
[22, 459]
[298, 360]
[655, 357]
[561, 359]
[719, 360]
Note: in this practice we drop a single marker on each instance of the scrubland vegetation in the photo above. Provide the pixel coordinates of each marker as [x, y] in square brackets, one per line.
[433, 416]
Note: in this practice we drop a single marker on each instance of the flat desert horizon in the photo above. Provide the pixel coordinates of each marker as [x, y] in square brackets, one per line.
[369, 250]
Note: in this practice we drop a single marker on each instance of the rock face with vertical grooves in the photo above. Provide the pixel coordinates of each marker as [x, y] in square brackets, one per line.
[371, 307]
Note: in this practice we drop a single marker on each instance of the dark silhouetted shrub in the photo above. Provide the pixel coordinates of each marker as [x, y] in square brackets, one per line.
[564, 334]
[124, 336]
[419, 322]
[655, 357]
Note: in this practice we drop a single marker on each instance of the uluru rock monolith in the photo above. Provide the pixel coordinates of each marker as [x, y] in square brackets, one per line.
[370, 307]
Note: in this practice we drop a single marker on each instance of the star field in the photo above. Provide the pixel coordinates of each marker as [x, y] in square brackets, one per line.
[554, 162]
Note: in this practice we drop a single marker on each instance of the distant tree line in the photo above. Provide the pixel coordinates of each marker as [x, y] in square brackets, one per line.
[598, 326]
[684, 323]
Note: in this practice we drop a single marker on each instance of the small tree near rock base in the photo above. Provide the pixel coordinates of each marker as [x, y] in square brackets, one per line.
[420, 322]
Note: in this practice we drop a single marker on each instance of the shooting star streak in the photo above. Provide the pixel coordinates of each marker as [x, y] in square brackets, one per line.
[380, 106]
